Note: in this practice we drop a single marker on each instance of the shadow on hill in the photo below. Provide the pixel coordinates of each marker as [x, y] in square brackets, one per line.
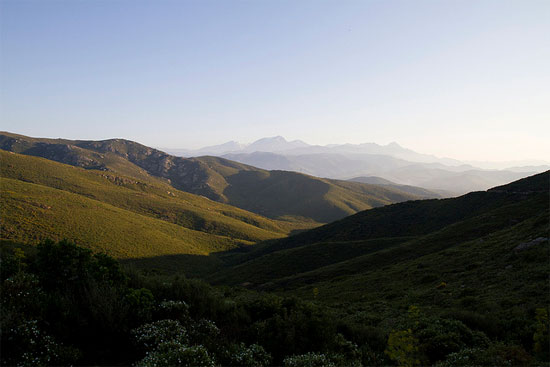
[277, 193]
[193, 266]
[190, 265]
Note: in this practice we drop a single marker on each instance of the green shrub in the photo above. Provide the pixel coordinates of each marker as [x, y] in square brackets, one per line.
[64, 264]
[175, 310]
[308, 360]
[169, 354]
[151, 335]
[26, 344]
[241, 355]
[541, 336]
[141, 303]
[497, 354]
[403, 348]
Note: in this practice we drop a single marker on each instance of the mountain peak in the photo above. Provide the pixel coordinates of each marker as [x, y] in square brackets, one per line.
[274, 144]
[277, 138]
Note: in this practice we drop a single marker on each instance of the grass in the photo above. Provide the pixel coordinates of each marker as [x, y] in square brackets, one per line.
[151, 198]
[127, 217]
[481, 276]
[32, 212]
[447, 254]
[281, 264]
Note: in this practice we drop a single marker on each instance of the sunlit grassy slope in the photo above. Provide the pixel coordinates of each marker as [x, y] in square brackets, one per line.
[410, 248]
[125, 216]
[33, 212]
[274, 194]
[151, 197]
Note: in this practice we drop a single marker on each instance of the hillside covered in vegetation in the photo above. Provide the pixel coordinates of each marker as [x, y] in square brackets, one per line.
[125, 216]
[274, 194]
[454, 282]
[122, 317]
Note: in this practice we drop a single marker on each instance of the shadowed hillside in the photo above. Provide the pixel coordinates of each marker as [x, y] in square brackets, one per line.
[372, 240]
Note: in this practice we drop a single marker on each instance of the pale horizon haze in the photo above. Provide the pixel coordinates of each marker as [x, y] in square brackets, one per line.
[468, 80]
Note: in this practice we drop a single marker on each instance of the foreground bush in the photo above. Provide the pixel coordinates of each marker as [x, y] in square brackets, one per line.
[119, 318]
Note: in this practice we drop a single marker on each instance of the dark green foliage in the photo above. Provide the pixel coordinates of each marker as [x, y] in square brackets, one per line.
[64, 264]
[541, 337]
[246, 356]
[170, 354]
[67, 285]
[26, 344]
[309, 360]
[498, 354]
[295, 328]
[142, 301]
[118, 319]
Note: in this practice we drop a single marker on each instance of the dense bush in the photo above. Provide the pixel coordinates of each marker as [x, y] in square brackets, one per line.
[62, 305]
[309, 360]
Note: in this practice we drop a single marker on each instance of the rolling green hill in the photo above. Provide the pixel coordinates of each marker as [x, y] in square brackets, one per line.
[360, 257]
[402, 220]
[152, 197]
[480, 260]
[274, 194]
[125, 216]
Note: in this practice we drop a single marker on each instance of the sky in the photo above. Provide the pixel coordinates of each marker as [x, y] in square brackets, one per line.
[455, 78]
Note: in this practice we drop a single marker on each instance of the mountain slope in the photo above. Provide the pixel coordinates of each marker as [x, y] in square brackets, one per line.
[449, 180]
[155, 199]
[280, 193]
[274, 194]
[387, 236]
[124, 216]
[34, 212]
[321, 164]
[419, 191]
[274, 144]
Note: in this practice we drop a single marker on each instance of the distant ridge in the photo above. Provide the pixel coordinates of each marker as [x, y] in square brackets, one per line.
[373, 180]
[392, 162]
[274, 144]
[271, 144]
[414, 190]
[274, 194]
[279, 144]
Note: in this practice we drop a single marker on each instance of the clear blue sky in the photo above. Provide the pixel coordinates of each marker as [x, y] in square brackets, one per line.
[466, 79]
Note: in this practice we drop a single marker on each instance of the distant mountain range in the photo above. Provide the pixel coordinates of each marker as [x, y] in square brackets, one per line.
[281, 195]
[274, 144]
[279, 144]
[391, 162]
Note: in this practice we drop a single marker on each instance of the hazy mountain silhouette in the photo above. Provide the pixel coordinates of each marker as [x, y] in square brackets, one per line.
[279, 144]
[274, 144]
[344, 161]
